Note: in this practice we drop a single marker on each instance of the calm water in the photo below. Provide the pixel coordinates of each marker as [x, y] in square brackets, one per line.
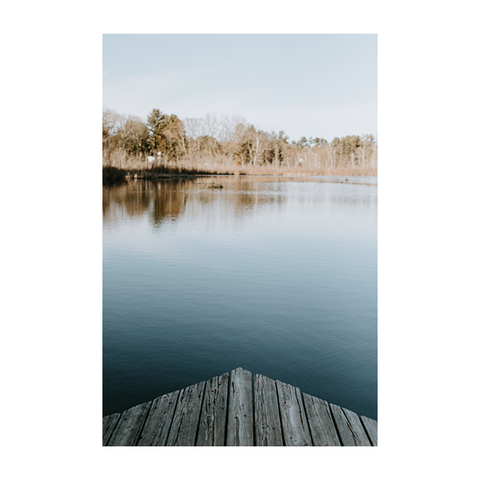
[277, 275]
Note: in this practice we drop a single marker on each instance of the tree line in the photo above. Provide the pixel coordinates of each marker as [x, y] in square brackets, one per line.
[228, 141]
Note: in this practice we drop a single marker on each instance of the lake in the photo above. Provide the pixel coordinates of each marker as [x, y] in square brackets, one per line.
[277, 275]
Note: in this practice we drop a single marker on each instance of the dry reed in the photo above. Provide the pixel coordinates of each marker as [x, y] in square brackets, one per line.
[219, 165]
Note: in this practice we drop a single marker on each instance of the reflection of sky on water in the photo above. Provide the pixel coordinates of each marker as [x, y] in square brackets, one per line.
[274, 275]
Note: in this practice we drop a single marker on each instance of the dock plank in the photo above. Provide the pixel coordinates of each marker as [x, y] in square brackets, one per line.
[292, 413]
[229, 410]
[109, 423]
[187, 414]
[268, 429]
[159, 420]
[320, 422]
[240, 409]
[349, 427]
[213, 417]
[370, 426]
[129, 426]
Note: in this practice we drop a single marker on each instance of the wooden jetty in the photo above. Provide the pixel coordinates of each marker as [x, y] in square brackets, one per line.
[231, 410]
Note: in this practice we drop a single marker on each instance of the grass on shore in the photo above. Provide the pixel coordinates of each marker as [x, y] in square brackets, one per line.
[114, 175]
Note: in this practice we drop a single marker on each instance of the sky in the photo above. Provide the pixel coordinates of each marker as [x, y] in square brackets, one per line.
[312, 85]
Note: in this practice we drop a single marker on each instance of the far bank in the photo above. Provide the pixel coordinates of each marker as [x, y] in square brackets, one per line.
[113, 175]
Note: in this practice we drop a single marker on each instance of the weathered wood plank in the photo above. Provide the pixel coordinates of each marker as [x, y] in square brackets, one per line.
[320, 421]
[370, 426]
[109, 423]
[129, 426]
[159, 420]
[349, 427]
[187, 414]
[294, 421]
[268, 429]
[240, 409]
[213, 418]
[223, 412]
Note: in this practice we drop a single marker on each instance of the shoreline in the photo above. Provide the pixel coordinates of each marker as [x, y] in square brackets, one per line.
[115, 175]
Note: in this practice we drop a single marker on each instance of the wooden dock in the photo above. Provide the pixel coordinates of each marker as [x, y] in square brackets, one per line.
[231, 410]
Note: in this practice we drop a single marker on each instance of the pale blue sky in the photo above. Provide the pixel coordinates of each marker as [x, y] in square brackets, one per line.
[306, 85]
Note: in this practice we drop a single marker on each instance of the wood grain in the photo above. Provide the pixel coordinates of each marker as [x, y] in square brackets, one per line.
[292, 414]
[159, 420]
[213, 417]
[349, 427]
[370, 426]
[240, 409]
[229, 411]
[185, 420]
[129, 426]
[268, 428]
[109, 423]
[320, 422]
